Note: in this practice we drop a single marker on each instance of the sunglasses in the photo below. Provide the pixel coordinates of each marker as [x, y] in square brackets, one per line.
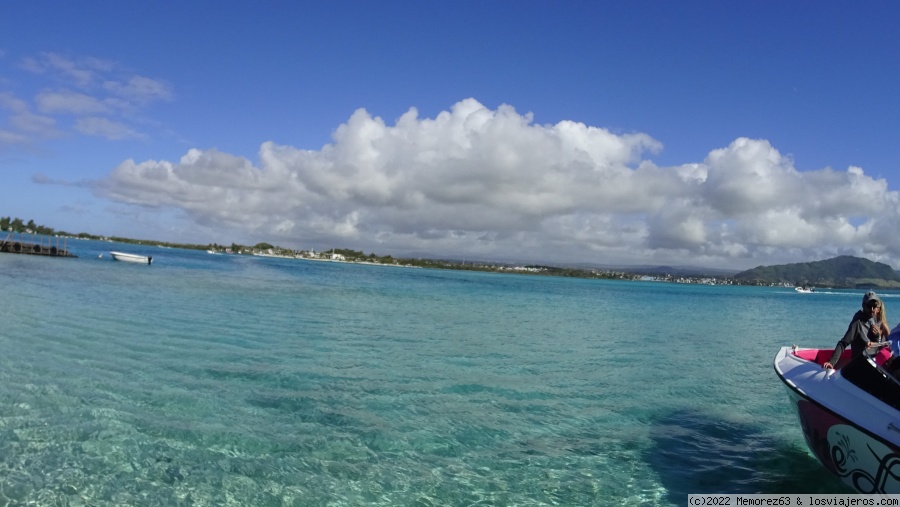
[874, 304]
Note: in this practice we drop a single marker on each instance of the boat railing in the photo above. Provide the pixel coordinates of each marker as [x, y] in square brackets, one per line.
[10, 244]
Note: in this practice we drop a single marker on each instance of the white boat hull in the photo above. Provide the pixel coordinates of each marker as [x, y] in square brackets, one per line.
[127, 257]
[853, 433]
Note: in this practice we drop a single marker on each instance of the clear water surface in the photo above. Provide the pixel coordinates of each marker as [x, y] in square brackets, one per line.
[208, 380]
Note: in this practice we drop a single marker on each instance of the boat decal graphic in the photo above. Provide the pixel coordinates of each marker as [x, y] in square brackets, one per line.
[888, 470]
[861, 460]
[841, 452]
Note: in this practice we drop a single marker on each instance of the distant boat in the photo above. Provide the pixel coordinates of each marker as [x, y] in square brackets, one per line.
[804, 290]
[213, 252]
[127, 257]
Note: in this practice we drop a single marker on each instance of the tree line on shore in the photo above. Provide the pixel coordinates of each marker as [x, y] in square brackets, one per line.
[839, 272]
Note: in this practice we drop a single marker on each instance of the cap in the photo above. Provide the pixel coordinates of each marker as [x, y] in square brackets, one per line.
[870, 296]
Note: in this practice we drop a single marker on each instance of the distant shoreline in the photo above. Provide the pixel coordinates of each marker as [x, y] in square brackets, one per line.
[354, 257]
[369, 263]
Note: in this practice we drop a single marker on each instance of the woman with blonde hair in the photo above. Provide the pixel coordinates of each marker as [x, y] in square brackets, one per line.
[866, 332]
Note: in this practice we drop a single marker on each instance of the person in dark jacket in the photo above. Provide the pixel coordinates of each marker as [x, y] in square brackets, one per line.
[865, 331]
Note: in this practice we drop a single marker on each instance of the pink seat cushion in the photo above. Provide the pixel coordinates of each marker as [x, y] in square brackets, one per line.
[821, 356]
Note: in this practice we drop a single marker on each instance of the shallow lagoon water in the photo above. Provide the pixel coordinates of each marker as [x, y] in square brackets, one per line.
[249, 381]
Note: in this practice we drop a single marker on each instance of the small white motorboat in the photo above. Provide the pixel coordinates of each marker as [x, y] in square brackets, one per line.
[850, 416]
[127, 257]
[804, 290]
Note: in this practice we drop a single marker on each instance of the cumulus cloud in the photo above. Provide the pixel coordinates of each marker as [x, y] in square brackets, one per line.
[479, 182]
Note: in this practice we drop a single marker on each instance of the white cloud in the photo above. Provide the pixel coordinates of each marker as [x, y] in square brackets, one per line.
[104, 100]
[33, 123]
[12, 103]
[479, 182]
[26, 126]
[10, 138]
[69, 102]
[106, 128]
[140, 89]
[749, 175]
[80, 73]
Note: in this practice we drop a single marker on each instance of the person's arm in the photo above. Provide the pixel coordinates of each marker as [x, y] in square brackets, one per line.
[852, 329]
[835, 356]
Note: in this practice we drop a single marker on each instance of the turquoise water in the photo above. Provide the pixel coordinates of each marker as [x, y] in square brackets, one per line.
[248, 381]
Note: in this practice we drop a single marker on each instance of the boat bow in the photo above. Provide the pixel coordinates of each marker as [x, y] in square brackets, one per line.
[849, 417]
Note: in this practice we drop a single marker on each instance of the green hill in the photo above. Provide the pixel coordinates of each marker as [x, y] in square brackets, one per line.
[840, 272]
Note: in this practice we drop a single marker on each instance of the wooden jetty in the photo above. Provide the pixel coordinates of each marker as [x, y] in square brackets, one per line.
[35, 247]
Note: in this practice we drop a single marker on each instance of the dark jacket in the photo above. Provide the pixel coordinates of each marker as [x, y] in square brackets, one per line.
[858, 336]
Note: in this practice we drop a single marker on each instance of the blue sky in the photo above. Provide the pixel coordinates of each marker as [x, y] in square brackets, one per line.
[723, 134]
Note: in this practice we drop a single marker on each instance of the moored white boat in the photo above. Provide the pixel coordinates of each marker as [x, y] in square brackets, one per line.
[850, 417]
[127, 257]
